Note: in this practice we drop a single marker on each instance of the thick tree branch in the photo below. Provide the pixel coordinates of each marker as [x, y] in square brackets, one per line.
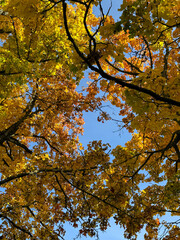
[7, 133]
[99, 70]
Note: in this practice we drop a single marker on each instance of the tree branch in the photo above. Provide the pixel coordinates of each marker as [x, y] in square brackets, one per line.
[119, 81]
[7, 133]
[16, 226]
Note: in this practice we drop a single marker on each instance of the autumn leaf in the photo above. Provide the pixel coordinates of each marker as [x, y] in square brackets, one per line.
[47, 176]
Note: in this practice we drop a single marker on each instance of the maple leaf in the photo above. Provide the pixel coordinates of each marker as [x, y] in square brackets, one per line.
[48, 177]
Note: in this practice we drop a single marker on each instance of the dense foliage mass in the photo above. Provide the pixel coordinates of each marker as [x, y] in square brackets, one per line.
[47, 178]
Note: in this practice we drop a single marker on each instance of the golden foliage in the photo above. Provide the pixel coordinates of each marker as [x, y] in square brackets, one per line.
[47, 177]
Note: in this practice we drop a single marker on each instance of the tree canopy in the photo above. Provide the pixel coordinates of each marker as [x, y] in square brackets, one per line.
[47, 177]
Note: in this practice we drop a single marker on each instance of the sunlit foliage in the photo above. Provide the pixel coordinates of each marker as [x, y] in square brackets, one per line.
[47, 177]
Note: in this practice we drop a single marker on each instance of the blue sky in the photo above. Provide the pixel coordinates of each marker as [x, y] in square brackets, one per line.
[108, 131]
[114, 9]
[113, 233]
